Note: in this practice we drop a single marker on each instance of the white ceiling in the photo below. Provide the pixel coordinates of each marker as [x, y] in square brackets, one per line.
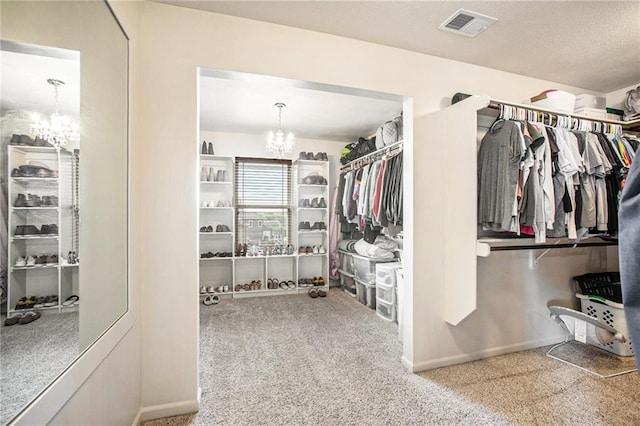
[244, 103]
[25, 70]
[589, 44]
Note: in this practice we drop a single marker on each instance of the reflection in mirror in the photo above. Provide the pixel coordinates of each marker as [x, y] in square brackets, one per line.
[63, 189]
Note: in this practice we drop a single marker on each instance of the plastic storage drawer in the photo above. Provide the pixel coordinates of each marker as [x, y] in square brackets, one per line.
[366, 294]
[386, 294]
[347, 283]
[364, 269]
[386, 311]
[346, 262]
[386, 273]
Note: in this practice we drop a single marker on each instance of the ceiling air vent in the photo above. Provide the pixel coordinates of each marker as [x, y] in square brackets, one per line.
[467, 23]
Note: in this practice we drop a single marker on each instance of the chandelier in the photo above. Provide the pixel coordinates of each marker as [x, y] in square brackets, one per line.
[276, 141]
[58, 130]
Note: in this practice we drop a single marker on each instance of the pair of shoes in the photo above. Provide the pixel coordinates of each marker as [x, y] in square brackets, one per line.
[318, 281]
[321, 156]
[314, 179]
[207, 228]
[318, 226]
[34, 171]
[26, 318]
[209, 255]
[304, 226]
[315, 293]
[318, 204]
[33, 230]
[72, 257]
[211, 299]
[207, 149]
[222, 228]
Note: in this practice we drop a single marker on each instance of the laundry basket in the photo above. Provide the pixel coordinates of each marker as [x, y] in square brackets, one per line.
[603, 284]
[612, 314]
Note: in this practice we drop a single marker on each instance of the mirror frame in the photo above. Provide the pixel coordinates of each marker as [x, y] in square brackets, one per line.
[50, 400]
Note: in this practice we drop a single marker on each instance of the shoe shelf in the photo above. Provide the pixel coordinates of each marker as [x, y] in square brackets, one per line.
[35, 237]
[216, 182]
[58, 280]
[312, 231]
[34, 208]
[216, 157]
[217, 208]
[221, 234]
[216, 258]
[312, 255]
[316, 209]
[34, 268]
[311, 185]
[311, 162]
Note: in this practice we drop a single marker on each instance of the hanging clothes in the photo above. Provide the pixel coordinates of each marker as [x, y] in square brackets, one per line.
[534, 179]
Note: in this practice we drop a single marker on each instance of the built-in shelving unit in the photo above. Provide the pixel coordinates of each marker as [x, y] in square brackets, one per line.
[58, 279]
[233, 270]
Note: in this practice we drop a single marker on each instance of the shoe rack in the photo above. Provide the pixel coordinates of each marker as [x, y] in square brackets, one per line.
[217, 223]
[312, 194]
[224, 267]
[55, 277]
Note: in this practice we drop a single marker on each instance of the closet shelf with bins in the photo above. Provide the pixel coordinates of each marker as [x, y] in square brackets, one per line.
[40, 280]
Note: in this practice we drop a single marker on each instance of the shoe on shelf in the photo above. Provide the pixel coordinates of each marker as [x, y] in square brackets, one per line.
[210, 149]
[71, 300]
[318, 156]
[210, 289]
[21, 201]
[41, 260]
[301, 156]
[309, 155]
[31, 261]
[21, 262]
[203, 174]
[52, 259]
[40, 302]
[322, 204]
[203, 150]
[315, 249]
[211, 174]
[303, 225]
[228, 203]
[51, 301]
[220, 204]
[203, 288]
[220, 176]
[15, 140]
[314, 203]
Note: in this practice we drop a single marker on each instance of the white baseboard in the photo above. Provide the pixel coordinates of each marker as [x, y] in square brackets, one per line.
[166, 410]
[486, 353]
[137, 420]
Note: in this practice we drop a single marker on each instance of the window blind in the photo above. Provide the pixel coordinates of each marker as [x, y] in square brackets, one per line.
[263, 201]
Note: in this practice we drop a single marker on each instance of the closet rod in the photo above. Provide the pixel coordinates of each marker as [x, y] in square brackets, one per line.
[495, 104]
[372, 156]
[552, 246]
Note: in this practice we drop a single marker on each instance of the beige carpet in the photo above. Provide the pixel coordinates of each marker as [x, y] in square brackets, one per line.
[297, 360]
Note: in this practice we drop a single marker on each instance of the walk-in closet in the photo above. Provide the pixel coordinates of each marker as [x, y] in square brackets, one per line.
[300, 197]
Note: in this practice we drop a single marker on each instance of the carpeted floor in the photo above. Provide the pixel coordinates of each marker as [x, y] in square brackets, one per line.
[297, 360]
[32, 355]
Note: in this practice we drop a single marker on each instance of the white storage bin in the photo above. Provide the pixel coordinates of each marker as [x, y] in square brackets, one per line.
[346, 262]
[347, 283]
[557, 101]
[590, 101]
[386, 294]
[597, 114]
[611, 313]
[364, 269]
[386, 311]
[366, 294]
[386, 273]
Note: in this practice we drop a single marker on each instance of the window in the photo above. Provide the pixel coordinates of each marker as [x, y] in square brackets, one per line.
[263, 201]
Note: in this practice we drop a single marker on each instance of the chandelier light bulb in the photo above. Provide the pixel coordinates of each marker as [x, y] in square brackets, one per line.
[58, 130]
[277, 143]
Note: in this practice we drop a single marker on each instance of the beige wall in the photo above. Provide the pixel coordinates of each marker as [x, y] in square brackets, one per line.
[616, 98]
[175, 42]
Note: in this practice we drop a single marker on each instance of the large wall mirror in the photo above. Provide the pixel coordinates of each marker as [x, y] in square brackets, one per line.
[64, 188]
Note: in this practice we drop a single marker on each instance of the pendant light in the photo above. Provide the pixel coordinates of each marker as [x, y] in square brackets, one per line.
[58, 129]
[277, 143]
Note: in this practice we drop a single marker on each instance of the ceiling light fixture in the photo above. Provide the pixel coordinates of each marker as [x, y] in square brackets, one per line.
[58, 130]
[276, 141]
